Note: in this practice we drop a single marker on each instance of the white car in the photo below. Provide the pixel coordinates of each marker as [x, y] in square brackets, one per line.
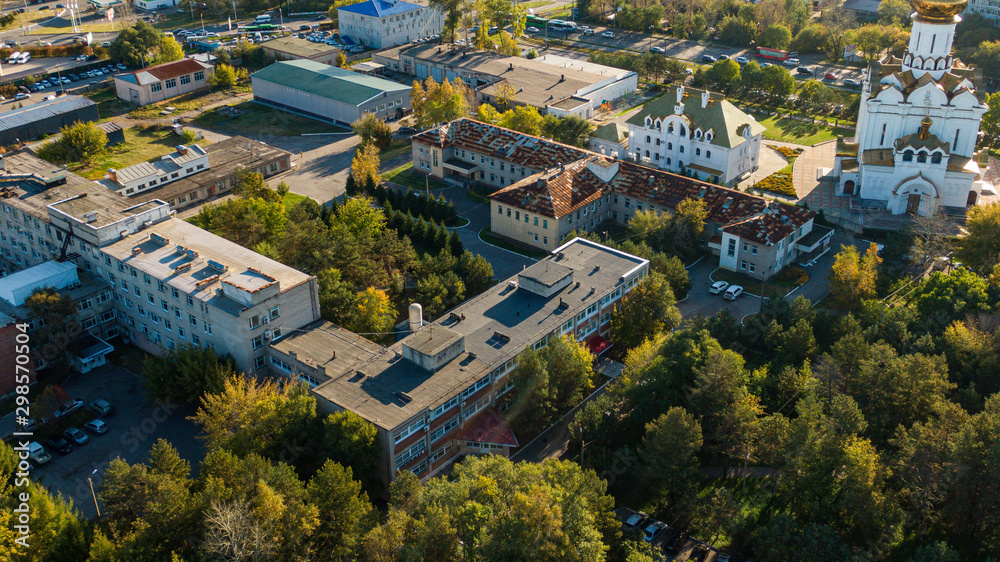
[532, 29]
[718, 287]
[97, 427]
[733, 292]
[652, 531]
[608, 34]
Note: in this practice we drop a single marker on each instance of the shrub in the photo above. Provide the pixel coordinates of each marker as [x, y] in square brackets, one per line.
[779, 183]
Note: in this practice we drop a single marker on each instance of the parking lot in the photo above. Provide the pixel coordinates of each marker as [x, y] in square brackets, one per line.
[131, 433]
[671, 543]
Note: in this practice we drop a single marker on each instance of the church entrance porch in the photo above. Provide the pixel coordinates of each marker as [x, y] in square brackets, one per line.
[913, 204]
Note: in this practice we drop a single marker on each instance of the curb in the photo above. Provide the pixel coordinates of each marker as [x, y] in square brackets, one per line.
[478, 235]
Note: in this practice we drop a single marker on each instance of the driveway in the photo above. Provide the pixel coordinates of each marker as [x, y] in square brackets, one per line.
[700, 302]
[140, 421]
[321, 164]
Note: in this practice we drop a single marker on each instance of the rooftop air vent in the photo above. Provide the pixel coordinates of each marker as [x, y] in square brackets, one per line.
[182, 267]
[218, 266]
[159, 239]
[405, 397]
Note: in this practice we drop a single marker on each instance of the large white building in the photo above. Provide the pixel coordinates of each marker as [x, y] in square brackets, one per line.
[697, 134]
[915, 150]
[986, 8]
[380, 24]
[171, 282]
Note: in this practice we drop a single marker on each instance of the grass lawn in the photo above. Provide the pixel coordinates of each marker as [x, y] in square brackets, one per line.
[537, 4]
[777, 286]
[141, 145]
[487, 236]
[257, 119]
[397, 148]
[292, 199]
[108, 104]
[800, 132]
[404, 175]
[187, 102]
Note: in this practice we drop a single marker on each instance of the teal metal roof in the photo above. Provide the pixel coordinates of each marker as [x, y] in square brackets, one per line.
[327, 81]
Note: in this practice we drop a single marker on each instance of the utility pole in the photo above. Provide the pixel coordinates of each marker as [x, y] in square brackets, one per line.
[93, 495]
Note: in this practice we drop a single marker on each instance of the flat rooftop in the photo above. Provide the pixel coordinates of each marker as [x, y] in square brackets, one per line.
[498, 324]
[328, 347]
[296, 47]
[32, 184]
[189, 270]
[224, 157]
[165, 165]
[43, 110]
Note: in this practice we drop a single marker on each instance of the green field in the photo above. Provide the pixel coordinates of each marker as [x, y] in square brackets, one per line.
[142, 144]
[404, 175]
[257, 119]
[800, 132]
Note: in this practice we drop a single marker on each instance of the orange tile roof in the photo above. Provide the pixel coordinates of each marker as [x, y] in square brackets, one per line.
[553, 193]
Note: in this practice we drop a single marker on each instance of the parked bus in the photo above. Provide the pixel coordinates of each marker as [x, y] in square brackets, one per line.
[773, 54]
[25, 57]
[535, 21]
[13, 57]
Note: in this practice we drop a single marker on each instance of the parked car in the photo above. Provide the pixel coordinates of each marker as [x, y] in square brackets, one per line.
[852, 83]
[74, 77]
[59, 444]
[305, 28]
[102, 408]
[608, 34]
[37, 453]
[699, 554]
[672, 543]
[121, 67]
[97, 427]
[718, 287]
[793, 54]
[688, 72]
[408, 131]
[635, 520]
[49, 97]
[658, 50]
[742, 60]
[65, 80]
[733, 292]
[76, 436]
[653, 530]
[708, 58]
[70, 407]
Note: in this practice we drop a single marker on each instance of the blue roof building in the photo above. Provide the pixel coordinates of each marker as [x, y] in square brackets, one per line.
[380, 24]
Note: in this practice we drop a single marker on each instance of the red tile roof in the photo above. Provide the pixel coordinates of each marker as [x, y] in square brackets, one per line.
[513, 146]
[552, 193]
[771, 225]
[175, 68]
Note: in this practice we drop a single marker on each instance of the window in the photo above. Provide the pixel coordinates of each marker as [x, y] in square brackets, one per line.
[254, 321]
[441, 431]
[413, 452]
[256, 343]
[545, 224]
[185, 79]
[743, 266]
[156, 87]
[753, 250]
[207, 327]
[199, 76]
[409, 430]
[259, 362]
[499, 210]
[752, 268]
[697, 152]
[708, 154]
[273, 313]
[193, 320]
[171, 83]
[732, 247]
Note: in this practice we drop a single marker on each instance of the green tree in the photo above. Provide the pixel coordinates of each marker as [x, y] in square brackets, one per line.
[335, 296]
[373, 130]
[373, 313]
[80, 142]
[853, 278]
[361, 218]
[980, 248]
[435, 103]
[645, 311]
[353, 442]
[134, 44]
[341, 61]
[894, 12]
[523, 118]
[571, 130]
[365, 165]
[345, 513]
[185, 373]
[782, 535]
[729, 413]
[224, 76]
[59, 314]
[991, 119]
[777, 83]
[246, 221]
[169, 50]
[551, 381]
[452, 10]
[723, 76]
[488, 114]
[778, 36]
[669, 453]
[476, 272]
[255, 416]
[811, 39]
[737, 31]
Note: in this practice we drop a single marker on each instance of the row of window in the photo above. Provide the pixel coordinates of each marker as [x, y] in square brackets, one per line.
[172, 82]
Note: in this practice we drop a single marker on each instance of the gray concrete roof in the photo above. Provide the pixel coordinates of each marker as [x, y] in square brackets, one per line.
[43, 110]
[247, 268]
[498, 325]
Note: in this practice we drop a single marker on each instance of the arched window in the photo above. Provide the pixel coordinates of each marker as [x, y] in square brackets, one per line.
[647, 138]
[670, 128]
[936, 158]
[922, 158]
[683, 131]
[670, 146]
[697, 152]
[708, 136]
[647, 154]
[908, 156]
[656, 156]
[648, 121]
[708, 154]
[668, 161]
[697, 135]
[657, 142]
[682, 150]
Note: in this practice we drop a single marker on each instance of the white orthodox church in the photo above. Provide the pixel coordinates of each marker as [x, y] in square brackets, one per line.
[915, 149]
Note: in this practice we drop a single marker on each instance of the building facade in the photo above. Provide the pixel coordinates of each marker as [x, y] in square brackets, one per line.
[45, 118]
[292, 48]
[329, 93]
[915, 149]
[170, 281]
[696, 133]
[145, 176]
[444, 391]
[380, 24]
[987, 8]
[163, 81]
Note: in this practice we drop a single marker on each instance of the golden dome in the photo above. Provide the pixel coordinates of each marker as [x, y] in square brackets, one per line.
[939, 10]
